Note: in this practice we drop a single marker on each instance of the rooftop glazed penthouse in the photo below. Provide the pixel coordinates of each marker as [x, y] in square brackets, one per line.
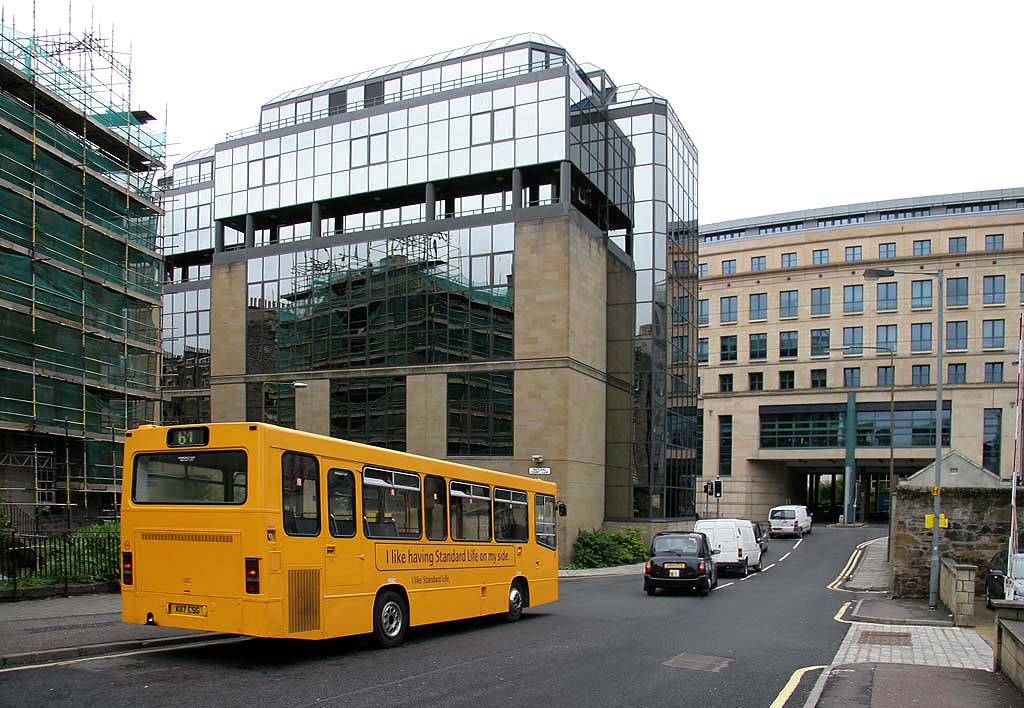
[465, 254]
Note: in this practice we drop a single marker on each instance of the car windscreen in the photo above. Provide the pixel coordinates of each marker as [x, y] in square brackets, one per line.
[201, 477]
[783, 514]
[683, 545]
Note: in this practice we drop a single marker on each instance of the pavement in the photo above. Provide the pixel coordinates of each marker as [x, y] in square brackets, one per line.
[901, 652]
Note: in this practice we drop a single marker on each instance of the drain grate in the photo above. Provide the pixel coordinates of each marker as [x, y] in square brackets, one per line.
[699, 662]
[885, 639]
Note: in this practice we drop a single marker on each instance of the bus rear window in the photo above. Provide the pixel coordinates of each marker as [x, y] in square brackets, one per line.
[201, 477]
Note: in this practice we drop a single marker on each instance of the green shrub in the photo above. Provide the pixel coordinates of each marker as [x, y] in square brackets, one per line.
[601, 549]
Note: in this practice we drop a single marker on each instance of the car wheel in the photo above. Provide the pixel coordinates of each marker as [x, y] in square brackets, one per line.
[757, 568]
[389, 619]
[810, 527]
[744, 570]
[988, 598]
[650, 589]
[516, 602]
[705, 588]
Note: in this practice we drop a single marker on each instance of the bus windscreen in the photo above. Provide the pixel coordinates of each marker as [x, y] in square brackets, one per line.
[201, 477]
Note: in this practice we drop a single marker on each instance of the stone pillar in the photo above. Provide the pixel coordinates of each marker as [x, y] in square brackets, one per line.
[430, 201]
[517, 189]
[250, 231]
[218, 236]
[313, 407]
[228, 318]
[426, 419]
[314, 220]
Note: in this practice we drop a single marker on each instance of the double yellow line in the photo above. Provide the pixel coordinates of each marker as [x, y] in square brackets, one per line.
[850, 565]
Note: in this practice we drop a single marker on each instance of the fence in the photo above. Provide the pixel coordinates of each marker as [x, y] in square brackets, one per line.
[58, 559]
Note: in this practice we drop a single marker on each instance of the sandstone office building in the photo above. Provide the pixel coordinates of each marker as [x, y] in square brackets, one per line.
[789, 328]
[462, 256]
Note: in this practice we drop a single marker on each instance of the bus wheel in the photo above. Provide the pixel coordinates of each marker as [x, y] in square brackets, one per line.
[516, 602]
[389, 619]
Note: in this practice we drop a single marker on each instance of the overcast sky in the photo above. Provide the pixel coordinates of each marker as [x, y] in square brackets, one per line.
[791, 105]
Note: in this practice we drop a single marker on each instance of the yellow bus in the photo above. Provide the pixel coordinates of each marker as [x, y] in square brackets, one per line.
[264, 531]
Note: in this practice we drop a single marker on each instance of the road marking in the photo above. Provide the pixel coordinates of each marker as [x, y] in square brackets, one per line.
[791, 686]
[784, 557]
[743, 580]
[723, 587]
[768, 567]
[798, 543]
[137, 652]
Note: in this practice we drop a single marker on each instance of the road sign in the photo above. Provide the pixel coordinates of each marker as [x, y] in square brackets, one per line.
[929, 521]
[540, 470]
[935, 491]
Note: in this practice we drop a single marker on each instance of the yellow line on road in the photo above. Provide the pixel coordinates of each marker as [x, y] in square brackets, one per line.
[850, 565]
[117, 655]
[791, 685]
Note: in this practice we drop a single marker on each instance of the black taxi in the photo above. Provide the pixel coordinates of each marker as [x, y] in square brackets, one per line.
[680, 560]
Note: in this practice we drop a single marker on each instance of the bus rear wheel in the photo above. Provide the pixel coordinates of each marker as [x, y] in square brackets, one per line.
[390, 619]
[516, 602]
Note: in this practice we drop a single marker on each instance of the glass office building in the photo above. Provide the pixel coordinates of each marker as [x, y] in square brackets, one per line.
[424, 244]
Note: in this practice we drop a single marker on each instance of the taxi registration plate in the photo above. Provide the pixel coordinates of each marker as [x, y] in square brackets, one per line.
[673, 573]
[675, 565]
[178, 608]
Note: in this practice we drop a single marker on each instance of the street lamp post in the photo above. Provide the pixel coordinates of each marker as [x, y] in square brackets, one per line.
[939, 276]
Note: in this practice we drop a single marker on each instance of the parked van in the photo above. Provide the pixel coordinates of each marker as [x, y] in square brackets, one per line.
[789, 520]
[735, 540]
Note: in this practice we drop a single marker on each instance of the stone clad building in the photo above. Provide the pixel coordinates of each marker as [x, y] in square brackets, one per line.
[465, 256]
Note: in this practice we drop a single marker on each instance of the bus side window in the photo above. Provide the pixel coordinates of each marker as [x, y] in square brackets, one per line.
[341, 493]
[434, 508]
[470, 511]
[544, 518]
[511, 513]
[300, 494]
[391, 503]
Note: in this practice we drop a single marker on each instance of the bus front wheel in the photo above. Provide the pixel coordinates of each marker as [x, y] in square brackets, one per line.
[390, 619]
[516, 602]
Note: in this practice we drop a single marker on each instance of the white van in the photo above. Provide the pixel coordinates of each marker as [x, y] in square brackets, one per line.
[789, 520]
[735, 540]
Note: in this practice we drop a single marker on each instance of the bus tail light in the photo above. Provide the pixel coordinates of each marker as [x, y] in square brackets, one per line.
[127, 576]
[252, 576]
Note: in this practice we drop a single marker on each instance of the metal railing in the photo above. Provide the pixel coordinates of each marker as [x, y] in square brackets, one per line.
[65, 558]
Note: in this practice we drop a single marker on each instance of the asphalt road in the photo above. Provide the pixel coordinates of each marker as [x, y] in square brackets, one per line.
[605, 643]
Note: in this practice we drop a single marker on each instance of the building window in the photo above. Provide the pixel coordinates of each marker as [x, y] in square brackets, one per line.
[724, 445]
[921, 374]
[840, 221]
[702, 270]
[789, 303]
[921, 293]
[994, 290]
[851, 377]
[758, 263]
[703, 311]
[885, 375]
[369, 410]
[956, 336]
[480, 413]
[958, 244]
[681, 267]
[759, 346]
[956, 292]
[702, 350]
[789, 260]
[956, 374]
[921, 337]
[728, 308]
[971, 208]
[728, 348]
[755, 381]
[887, 298]
[993, 442]
[886, 250]
[854, 253]
[904, 214]
[788, 346]
[729, 266]
[993, 334]
[993, 372]
[853, 298]
[885, 337]
[787, 380]
[680, 309]
[725, 383]
[821, 301]
[779, 228]
[819, 378]
[853, 340]
[759, 306]
[820, 256]
[820, 341]
[680, 343]
[923, 247]
[994, 242]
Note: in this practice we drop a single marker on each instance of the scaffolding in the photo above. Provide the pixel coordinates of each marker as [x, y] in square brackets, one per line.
[79, 270]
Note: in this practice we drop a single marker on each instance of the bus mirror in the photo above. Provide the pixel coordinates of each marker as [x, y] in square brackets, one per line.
[561, 509]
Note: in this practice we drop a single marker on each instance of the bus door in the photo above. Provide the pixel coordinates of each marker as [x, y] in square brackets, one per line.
[344, 554]
[302, 545]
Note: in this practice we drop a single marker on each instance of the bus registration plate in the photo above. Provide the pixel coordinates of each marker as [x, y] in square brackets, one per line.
[177, 608]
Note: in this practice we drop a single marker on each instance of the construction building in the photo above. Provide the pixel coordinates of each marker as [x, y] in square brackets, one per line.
[79, 275]
[466, 255]
[819, 341]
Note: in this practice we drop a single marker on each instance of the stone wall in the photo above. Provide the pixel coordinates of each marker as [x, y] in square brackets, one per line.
[979, 527]
[956, 590]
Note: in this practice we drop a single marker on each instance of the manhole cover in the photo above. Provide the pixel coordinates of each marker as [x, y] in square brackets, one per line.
[885, 639]
[699, 662]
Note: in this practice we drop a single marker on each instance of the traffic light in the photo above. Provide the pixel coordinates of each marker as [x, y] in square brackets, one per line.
[707, 488]
[718, 488]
